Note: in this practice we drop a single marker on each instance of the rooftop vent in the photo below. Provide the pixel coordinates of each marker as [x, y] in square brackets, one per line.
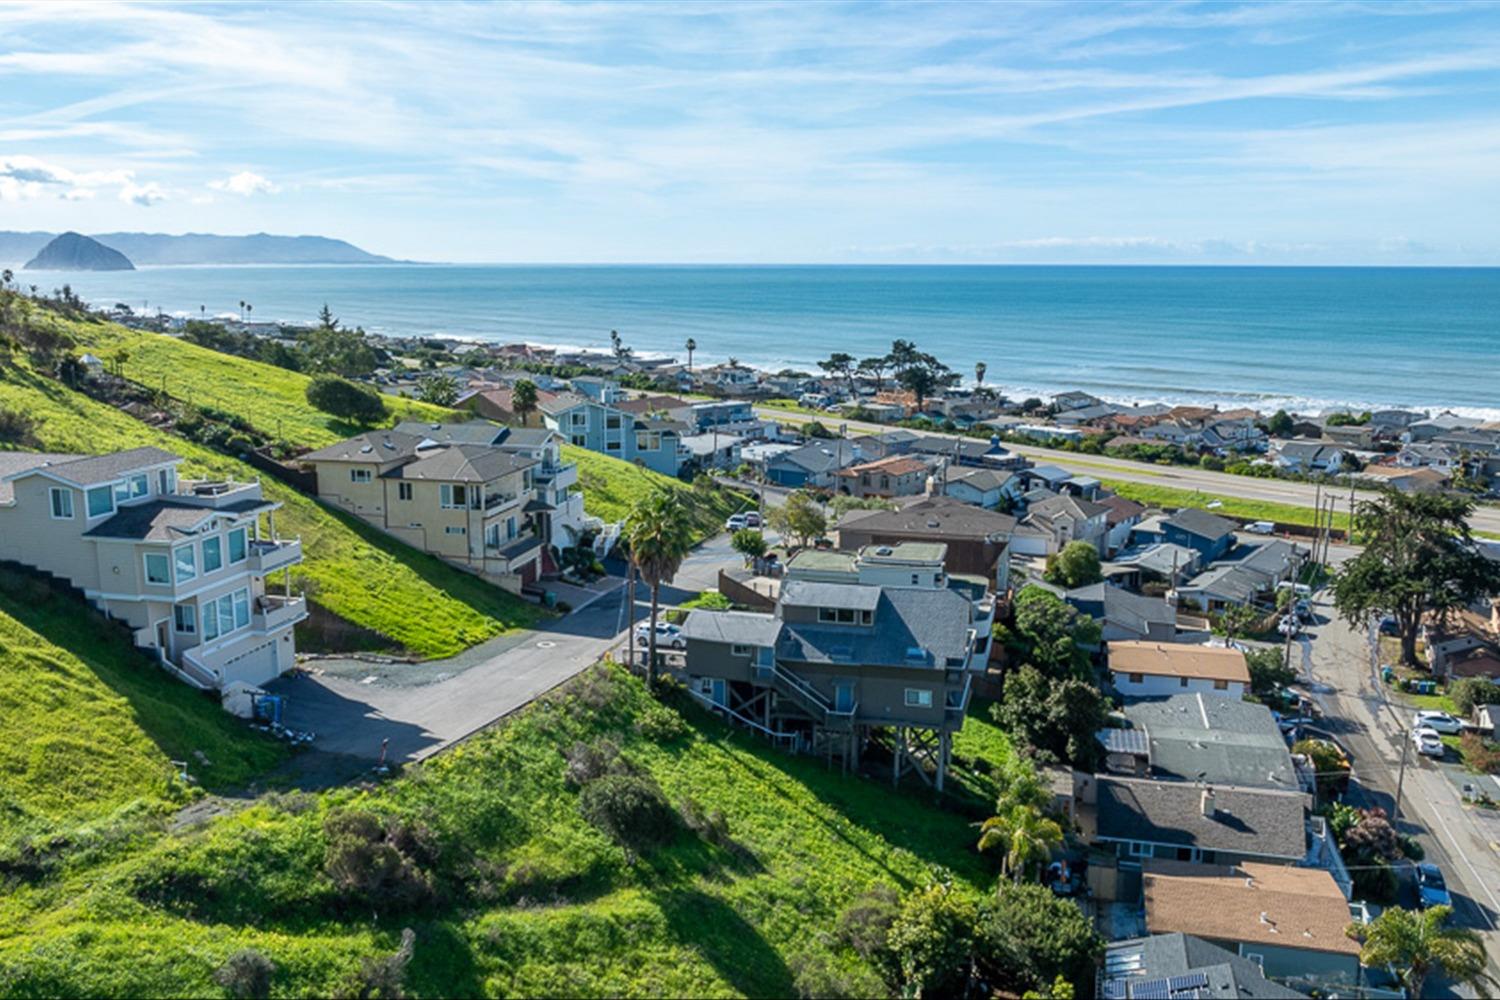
[932, 522]
[365, 449]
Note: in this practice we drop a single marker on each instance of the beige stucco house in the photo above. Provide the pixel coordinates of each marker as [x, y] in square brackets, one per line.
[185, 563]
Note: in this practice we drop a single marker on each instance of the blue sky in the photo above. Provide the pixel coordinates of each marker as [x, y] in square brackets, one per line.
[821, 132]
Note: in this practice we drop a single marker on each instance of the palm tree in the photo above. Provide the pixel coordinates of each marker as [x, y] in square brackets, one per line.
[523, 398]
[659, 533]
[979, 369]
[1417, 944]
[249, 310]
[1024, 833]
[242, 310]
[691, 345]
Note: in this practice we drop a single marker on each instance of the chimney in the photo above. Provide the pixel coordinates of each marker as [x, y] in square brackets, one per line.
[1208, 803]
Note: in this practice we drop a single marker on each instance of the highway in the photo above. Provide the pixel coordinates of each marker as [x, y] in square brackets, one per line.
[1485, 519]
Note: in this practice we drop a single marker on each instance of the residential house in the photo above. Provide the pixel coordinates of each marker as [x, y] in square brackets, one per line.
[987, 488]
[1354, 437]
[888, 443]
[977, 540]
[728, 378]
[714, 450]
[1075, 400]
[1141, 819]
[1427, 456]
[1308, 457]
[1123, 615]
[1225, 437]
[1087, 416]
[1210, 535]
[960, 451]
[1160, 669]
[600, 390]
[1050, 476]
[1061, 520]
[1463, 643]
[758, 455]
[1123, 515]
[1159, 562]
[1444, 423]
[600, 425]
[814, 465]
[896, 476]
[835, 661]
[474, 505]
[187, 565]
[1251, 575]
[1404, 480]
[1181, 966]
[1290, 921]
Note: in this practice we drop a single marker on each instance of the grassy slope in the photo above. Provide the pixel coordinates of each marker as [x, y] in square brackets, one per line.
[274, 400]
[350, 568]
[91, 725]
[565, 912]
[1253, 510]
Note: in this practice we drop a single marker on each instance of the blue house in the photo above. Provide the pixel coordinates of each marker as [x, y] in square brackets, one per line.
[1207, 534]
[655, 442]
[812, 465]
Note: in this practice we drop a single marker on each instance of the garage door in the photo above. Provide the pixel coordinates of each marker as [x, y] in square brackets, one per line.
[254, 666]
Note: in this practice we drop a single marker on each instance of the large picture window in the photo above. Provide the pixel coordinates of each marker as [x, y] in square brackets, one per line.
[158, 568]
[237, 545]
[101, 501]
[186, 618]
[185, 563]
[213, 554]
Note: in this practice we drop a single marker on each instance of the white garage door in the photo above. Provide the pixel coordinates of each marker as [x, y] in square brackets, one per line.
[254, 666]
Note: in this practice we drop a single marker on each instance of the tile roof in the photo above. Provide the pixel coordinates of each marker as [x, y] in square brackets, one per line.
[892, 465]
[1170, 659]
[1255, 821]
[1252, 903]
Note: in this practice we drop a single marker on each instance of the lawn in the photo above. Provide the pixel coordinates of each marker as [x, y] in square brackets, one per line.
[92, 724]
[272, 399]
[1249, 510]
[416, 601]
[531, 898]
[610, 487]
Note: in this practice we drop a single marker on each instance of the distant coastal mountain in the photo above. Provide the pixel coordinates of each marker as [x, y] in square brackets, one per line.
[204, 248]
[76, 252]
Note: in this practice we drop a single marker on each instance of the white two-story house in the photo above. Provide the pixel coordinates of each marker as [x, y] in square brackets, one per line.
[184, 563]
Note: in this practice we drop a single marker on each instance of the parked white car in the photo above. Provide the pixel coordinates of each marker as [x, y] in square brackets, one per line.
[1438, 722]
[1427, 742]
[752, 519]
[736, 522]
[1289, 625]
[669, 636]
[1261, 527]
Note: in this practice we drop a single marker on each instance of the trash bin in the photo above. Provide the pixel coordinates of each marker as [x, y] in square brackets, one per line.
[1387, 674]
[549, 598]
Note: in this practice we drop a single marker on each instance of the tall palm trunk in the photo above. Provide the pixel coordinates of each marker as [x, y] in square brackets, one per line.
[651, 647]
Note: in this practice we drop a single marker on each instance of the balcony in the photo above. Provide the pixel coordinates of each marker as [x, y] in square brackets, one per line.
[215, 493]
[268, 556]
[273, 613]
[514, 548]
[559, 477]
[497, 502]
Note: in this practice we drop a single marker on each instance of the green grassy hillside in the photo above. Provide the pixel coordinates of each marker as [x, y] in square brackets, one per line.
[274, 400]
[526, 896]
[92, 724]
[351, 569]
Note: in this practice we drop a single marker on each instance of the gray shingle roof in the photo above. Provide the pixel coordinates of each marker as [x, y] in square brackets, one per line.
[808, 593]
[741, 627]
[1214, 739]
[1226, 581]
[1201, 523]
[371, 446]
[818, 456]
[1164, 956]
[90, 470]
[463, 463]
[467, 432]
[935, 621]
[937, 517]
[13, 463]
[1118, 606]
[166, 520]
[1255, 822]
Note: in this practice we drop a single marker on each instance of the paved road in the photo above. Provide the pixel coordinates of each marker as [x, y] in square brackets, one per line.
[1486, 518]
[353, 715]
[1457, 839]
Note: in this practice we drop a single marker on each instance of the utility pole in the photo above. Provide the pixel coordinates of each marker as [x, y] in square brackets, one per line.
[1400, 777]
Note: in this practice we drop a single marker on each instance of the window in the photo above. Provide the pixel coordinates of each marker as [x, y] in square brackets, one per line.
[455, 529]
[122, 492]
[241, 608]
[210, 620]
[579, 441]
[158, 568]
[1136, 849]
[1136, 678]
[1182, 682]
[739, 650]
[185, 618]
[226, 614]
[213, 554]
[403, 491]
[237, 545]
[1221, 685]
[455, 497]
[101, 501]
[612, 421]
[580, 418]
[62, 503]
[915, 579]
[359, 475]
[510, 528]
[611, 446]
[836, 616]
[648, 441]
[139, 485]
[866, 617]
[918, 697]
[164, 481]
[492, 536]
[185, 562]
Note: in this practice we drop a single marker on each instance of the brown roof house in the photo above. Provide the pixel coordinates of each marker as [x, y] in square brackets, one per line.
[893, 476]
[1161, 669]
[1290, 921]
[977, 539]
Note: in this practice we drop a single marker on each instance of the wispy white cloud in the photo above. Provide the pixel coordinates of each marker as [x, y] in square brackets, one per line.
[245, 184]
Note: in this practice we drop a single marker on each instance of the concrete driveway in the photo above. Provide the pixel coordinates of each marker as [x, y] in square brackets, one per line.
[421, 708]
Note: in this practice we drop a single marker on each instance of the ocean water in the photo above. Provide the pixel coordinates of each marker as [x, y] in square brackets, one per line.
[1305, 338]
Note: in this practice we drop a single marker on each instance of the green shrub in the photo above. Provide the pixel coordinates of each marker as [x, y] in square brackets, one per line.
[630, 809]
[345, 400]
[588, 762]
[661, 724]
[246, 975]
[377, 863]
[865, 926]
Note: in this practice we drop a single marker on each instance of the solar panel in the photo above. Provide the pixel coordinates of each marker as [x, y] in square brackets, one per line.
[1114, 989]
[1190, 981]
[1152, 989]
